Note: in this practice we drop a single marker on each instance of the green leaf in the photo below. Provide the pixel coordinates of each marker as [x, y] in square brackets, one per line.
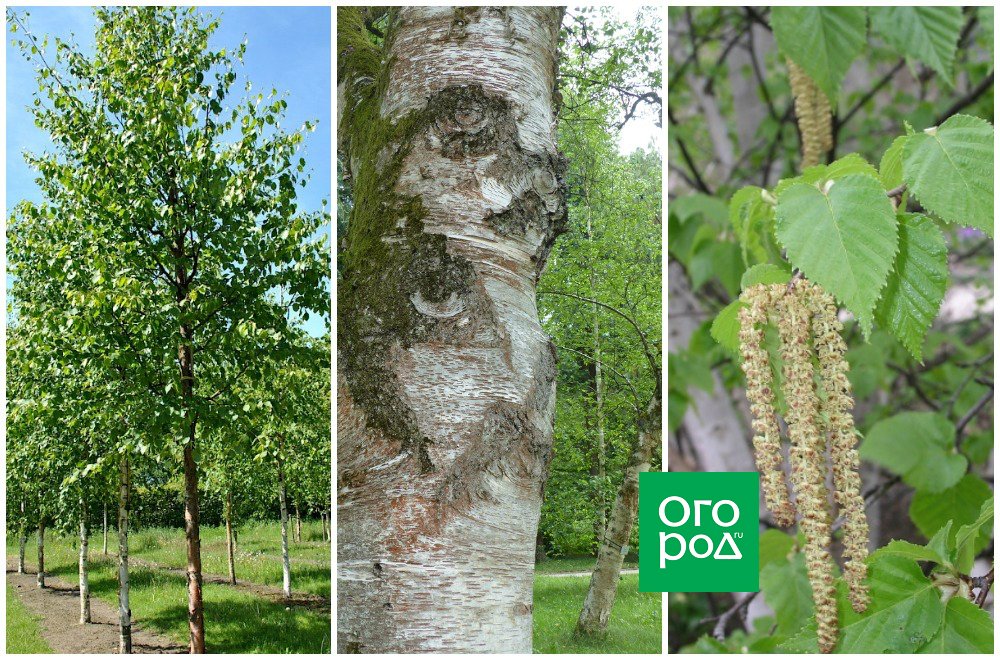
[960, 504]
[787, 591]
[843, 239]
[775, 546]
[964, 628]
[927, 34]
[912, 551]
[949, 169]
[822, 40]
[971, 538]
[917, 283]
[726, 327]
[918, 446]
[764, 274]
[890, 168]
[905, 610]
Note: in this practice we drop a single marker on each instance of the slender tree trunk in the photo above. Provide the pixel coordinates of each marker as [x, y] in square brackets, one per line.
[40, 578]
[22, 541]
[322, 520]
[124, 611]
[604, 581]
[602, 519]
[105, 529]
[286, 570]
[84, 582]
[446, 391]
[298, 524]
[230, 551]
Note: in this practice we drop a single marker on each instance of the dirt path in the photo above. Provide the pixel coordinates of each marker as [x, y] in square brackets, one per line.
[299, 598]
[625, 571]
[59, 606]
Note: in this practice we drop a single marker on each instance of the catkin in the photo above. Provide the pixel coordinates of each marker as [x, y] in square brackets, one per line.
[812, 110]
[767, 435]
[836, 408]
[808, 460]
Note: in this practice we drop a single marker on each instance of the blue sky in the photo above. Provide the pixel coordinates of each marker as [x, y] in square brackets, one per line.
[288, 49]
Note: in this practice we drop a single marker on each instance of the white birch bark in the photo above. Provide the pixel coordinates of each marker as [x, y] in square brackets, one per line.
[105, 529]
[286, 570]
[446, 389]
[124, 611]
[607, 572]
[84, 582]
[40, 577]
[230, 545]
[22, 541]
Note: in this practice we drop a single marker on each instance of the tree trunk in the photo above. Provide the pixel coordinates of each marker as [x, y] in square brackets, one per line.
[230, 550]
[84, 582]
[298, 524]
[599, 470]
[124, 611]
[604, 582]
[322, 520]
[286, 569]
[22, 541]
[105, 529]
[40, 578]
[446, 391]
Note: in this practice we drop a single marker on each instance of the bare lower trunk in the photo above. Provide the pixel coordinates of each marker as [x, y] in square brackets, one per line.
[322, 520]
[604, 582]
[84, 582]
[298, 524]
[40, 578]
[124, 611]
[196, 617]
[230, 552]
[446, 387]
[286, 570]
[105, 529]
[22, 541]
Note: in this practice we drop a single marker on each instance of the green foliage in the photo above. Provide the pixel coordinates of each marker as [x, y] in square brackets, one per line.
[822, 40]
[918, 446]
[927, 34]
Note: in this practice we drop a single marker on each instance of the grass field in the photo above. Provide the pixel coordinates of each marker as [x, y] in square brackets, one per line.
[23, 635]
[573, 565]
[635, 619]
[235, 621]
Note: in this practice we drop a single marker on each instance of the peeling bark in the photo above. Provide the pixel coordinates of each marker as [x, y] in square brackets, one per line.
[84, 582]
[40, 578]
[124, 611]
[230, 550]
[607, 572]
[447, 382]
[286, 569]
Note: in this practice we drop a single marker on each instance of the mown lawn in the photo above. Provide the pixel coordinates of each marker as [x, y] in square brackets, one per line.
[635, 620]
[235, 621]
[573, 565]
[23, 633]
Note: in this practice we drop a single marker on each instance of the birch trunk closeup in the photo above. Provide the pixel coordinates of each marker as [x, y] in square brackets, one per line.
[84, 582]
[447, 382]
[286, 569]
[124, 611]
[607, 572]
[40, 577]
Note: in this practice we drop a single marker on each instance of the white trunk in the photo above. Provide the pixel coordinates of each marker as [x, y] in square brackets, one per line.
[604, 581]
[105, 529]
[124, 612]
[40, 577]
[84, 582]
[230, 542]
[446, 391]
[22, 541]
[286, 569]
[298, 524]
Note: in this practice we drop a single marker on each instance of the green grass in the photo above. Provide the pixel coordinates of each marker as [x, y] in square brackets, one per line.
[572, 565]
[634, 626]
[235, 621]
[23, 633]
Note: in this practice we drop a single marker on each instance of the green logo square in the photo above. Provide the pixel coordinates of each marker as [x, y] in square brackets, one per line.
[699, 531]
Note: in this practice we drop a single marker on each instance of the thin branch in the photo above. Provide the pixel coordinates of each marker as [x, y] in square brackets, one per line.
[984, 583]
[969, 416]
[686, 155]
[869, 94]
[739, 608]
[971, 97]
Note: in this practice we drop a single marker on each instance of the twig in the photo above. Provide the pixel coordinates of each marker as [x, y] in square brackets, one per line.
[983, 583]
[969, 416]
[868, 96]
[702, 186]
[722, 620]
[966, 100]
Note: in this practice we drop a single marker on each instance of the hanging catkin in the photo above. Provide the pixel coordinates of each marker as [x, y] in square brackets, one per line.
[812, 110]
[808, 460]
[836, 408]
[812, 351]
[760, 393]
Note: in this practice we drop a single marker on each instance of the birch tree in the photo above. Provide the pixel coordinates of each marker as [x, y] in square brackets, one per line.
[446, 381]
